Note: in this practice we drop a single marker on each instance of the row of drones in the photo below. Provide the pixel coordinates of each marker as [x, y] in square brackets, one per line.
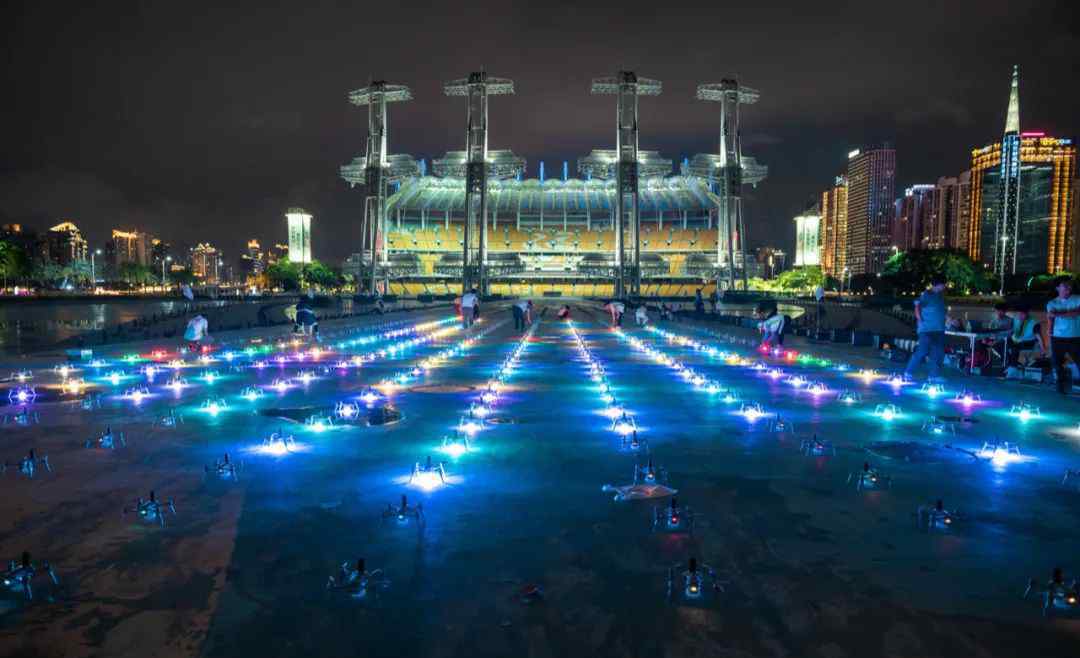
[354, 579]
[1058, 596]
[21, 575]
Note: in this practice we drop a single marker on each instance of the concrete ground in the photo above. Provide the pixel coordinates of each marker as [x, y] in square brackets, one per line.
[810, 566]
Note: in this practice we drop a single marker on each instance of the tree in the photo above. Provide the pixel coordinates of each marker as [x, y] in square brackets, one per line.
[135, 274]
[182, 276]
[911, 271]
[13, 261]
[322, 276]
[801, 278]
[284, 274]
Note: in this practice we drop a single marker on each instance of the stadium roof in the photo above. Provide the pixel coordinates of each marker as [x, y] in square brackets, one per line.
[574, 196]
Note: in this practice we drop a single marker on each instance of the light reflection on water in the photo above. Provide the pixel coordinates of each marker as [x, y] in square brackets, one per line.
[26, 325]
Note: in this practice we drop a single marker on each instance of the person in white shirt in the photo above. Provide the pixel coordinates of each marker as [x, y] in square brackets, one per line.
[616, 308]
[641, 316]
[522, 311]
[469, 302]
[771, 325]
[1064, 314]
[196, 332]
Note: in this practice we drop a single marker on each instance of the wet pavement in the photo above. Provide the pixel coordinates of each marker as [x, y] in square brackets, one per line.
[521, 552]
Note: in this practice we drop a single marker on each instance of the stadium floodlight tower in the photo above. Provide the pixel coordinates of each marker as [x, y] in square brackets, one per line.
[728, 170]
[377, 169]
[627, 87]
[477, 164]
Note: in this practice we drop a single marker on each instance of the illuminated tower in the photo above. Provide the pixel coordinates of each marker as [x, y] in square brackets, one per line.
[627, 160]
[1007, 229]
[1021, 199]
[377, 169]
[299, 223]
[476, 164]
[728, 170]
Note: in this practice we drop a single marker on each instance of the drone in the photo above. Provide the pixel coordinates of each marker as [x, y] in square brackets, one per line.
[404, 512]
[251, 393]
[815, 447]
[20, 574]
[456, 445]
[887, 411]
[355, 580]
[107, 440]
[279, 440]
[632, 443]
[90, 402]
[28, 465]
[849, 397]
[24, 417]
[137, 394]
[673, 519]
[937, 426]
[347, 411]
[1058, 598]
[22, 395]
[649, 474]
[21, 376]
[931, 518]
[624, 424]
[319, 422]
[428, 471]
[869, 479]
[998, 451]
[781, 425]
[694, 584]
[171, 419]
[225, 468]
[214, 406]
[151, 510]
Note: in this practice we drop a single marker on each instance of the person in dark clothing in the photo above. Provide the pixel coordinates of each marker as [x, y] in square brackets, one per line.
[699, 303]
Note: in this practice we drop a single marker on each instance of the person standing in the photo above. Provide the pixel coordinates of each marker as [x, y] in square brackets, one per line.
[641, 316]
[699, 303]
[1064, 314]
[713, 300]
[469, 302]
[930, 315]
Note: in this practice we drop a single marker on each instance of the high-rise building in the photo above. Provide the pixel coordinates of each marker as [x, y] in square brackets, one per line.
[1021, 198]
[253, 261]
[915, 218]
[961, 226]
[1074, 261]
[871, 187]
[127, 247]
[807, 235]
[277, 253]
[834, 228]
[299, 235]
[206, 263]
[65, 244]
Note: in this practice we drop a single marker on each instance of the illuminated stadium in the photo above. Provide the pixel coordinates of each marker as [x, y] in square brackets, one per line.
[628, 225]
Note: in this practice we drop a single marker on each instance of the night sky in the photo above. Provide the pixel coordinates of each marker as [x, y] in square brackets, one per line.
[205, 123]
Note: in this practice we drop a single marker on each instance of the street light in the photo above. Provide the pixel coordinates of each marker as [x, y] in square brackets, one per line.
[93, 271]
[167, 259]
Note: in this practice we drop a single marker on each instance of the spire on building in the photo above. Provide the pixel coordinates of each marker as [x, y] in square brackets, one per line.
[1012, 119]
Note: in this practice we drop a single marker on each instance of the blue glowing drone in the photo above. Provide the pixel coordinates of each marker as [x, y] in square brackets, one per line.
[935, 518]
[1058, 598]
[869, 479]
[107, 441]
[404, 513]
[20, 574]
[696, 584]
[28, 465]
[150, 510]
[673, 519]
[353, 579]
[224, 469]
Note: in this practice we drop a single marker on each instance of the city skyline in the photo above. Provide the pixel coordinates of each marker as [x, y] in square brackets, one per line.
[191, 154]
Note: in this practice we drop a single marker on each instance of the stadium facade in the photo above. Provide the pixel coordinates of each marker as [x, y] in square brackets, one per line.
[628, 224]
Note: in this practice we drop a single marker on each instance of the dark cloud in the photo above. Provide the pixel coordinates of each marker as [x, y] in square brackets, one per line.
[204, 123]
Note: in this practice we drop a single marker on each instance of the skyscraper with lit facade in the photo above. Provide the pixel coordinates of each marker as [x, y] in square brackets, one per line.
[807, 234]
[871, 181]
[914, 224]
[1021, 198]
[833, 239]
